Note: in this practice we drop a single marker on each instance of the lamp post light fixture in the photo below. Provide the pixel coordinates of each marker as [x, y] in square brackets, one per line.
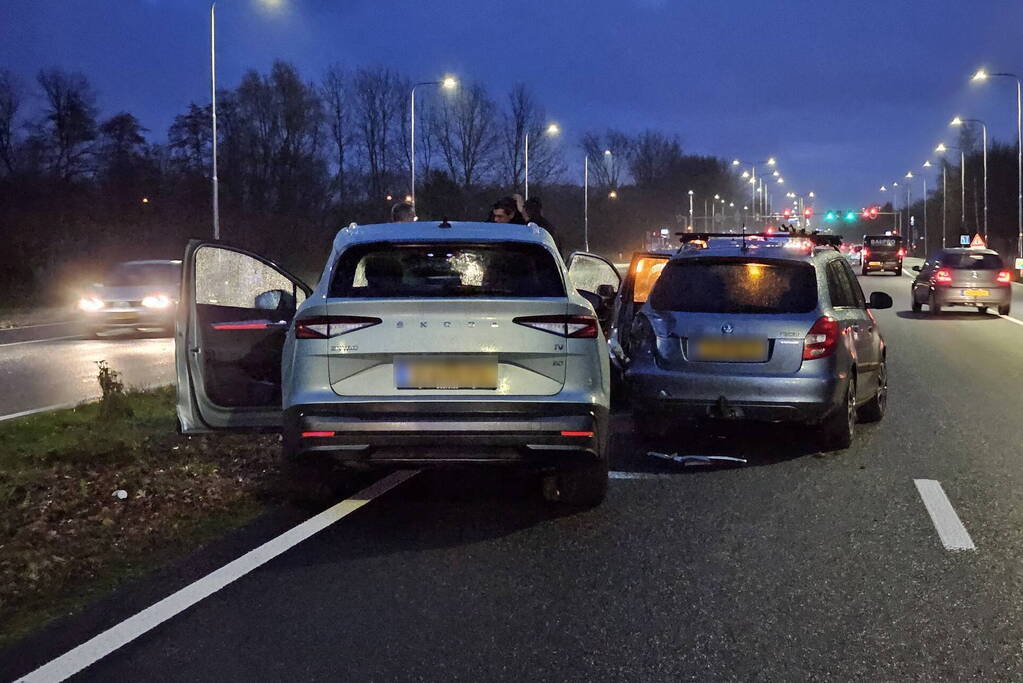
[551, 130]
[447, 83]
[690, 210]
[957, 121]
[941, 149]
[983, 75]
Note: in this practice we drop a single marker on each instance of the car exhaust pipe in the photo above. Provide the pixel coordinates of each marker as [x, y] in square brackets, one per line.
[722, 410]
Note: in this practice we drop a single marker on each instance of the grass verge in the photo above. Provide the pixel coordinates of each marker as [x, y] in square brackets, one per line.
[67, 537]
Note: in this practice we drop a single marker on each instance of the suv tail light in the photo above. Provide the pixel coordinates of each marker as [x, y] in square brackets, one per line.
[943, 276]
[822, 339]
[327, 326]
[865, 252]
[571, 326]
[1004, 277]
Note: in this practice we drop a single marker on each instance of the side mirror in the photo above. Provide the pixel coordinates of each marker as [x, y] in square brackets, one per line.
[606, 294]
[916, 268]
[276, 300]
[879, 300]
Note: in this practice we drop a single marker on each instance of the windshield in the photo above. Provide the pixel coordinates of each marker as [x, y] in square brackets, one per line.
[446, 270]
[133, 274]
[735, 286]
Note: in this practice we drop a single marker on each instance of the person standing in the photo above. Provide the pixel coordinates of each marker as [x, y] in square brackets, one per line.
[506, 210]
[402, 212]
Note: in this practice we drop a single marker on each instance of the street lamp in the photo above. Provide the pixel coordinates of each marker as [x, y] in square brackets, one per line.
[941, 149]
[690, 209]
[551, 130]
[447, 83]
[983, 75]
[957, 121]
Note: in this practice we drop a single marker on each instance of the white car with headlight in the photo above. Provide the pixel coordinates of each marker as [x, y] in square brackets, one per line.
[134, 295]
[424, 344]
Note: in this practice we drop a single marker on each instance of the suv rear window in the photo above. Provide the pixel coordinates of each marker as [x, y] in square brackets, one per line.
[446, 270]
[736, 286]
[972, 261]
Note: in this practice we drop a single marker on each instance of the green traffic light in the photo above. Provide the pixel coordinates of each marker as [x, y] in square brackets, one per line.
[829, 216]
[850, 215]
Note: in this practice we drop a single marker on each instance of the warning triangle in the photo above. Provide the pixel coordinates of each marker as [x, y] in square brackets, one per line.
[978, 242]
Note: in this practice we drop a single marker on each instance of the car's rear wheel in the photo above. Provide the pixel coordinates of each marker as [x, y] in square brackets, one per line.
[838, 429]
[875, 408]
[307, 480]
[917, 306]
[1004, 310]
[864, 271]
[933, 305]
[982, 309]
[898, 271]
[584, 486]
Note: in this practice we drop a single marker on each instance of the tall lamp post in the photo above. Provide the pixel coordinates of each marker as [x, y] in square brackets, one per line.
[752, 174]
[551, 130]
[982, 75]
[586, 203]
[957, 121]
[927, 164]
[690, 226]
[448, 83]
[941, 149]
[213, 108]
[909, 206]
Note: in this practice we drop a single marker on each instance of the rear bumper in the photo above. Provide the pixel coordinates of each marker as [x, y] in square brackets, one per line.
[873, 265]
[953, 296]
[807, 396]
[449, 433]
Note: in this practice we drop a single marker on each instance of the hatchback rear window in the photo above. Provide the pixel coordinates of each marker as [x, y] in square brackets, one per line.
[736, 286]
[972, 261]
[446, 270]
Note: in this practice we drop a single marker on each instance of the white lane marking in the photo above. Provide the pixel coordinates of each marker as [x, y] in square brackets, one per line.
[100, 646]
[613, 474]
[1011, 320]
[29, 327]
[40, 341]
[59, 406]
[951, 531]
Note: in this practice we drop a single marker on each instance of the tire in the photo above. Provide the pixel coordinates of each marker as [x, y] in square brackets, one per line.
[917, 306]
[838, 429]
[864, 271]
[582, 487]
[982, 310]
[898, 272]
[934, 307]
[1004, 310]
[308, 480]
[874, 409]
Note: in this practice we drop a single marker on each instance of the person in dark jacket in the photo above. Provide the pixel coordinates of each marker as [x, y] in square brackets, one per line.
[506, 210]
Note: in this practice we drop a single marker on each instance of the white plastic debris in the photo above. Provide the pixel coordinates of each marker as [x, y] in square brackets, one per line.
[121, 494]
[691, 460]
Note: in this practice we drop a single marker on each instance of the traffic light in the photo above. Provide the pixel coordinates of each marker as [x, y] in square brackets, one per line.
[808, 212]
[874, 210]
[850, 216]
[830, 216]
[786, 213]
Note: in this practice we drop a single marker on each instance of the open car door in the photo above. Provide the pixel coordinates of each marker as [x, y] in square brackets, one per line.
[596, 279]
[644, 270]
[233, 316]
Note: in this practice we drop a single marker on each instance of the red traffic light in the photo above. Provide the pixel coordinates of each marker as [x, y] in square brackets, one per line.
[787, 213]
[874, 211]
[808, 211]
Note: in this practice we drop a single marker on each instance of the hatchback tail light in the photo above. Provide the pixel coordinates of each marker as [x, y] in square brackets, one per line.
[943, 276]
[1004, 277]
[571, 326]
[327, 326]
[822, 339]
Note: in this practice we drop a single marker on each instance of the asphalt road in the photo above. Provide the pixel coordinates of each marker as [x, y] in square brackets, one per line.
[800, 565]
[50, 365]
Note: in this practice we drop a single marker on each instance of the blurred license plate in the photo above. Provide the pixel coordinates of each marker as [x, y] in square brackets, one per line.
[446, 374]
[975, 292]
[731, 350]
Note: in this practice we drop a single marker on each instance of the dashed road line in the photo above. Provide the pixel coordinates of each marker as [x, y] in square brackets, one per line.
[30, 327]
[950, 528]
[100, 646]
[46, 409]
[40, 341]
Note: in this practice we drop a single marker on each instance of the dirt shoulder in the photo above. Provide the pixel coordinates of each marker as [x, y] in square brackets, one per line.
[88, 502]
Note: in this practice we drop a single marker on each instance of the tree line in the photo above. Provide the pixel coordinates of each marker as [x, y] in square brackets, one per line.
[298, 158]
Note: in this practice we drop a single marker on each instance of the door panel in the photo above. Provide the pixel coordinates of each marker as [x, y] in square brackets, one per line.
[234, 314]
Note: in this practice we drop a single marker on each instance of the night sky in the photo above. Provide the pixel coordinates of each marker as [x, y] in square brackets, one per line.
[847, 95]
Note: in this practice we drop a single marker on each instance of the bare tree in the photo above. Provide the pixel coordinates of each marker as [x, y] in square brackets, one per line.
[338, 108]
[609, 156]
[69, 125]
[10, 103]
[190, 138]
[378, 100]
[524, 117]
[654, 158]
[465, 127]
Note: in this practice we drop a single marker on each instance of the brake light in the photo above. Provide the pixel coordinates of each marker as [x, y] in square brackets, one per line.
[571, 326]
[1004, 277]
[943, 276]
[327, 326]
[312, 435]
[902, 252]
[584, 435]
[822, 339]
[865, 252]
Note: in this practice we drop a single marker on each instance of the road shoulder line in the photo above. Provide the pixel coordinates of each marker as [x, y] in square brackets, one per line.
[94, 649]
[950, 528]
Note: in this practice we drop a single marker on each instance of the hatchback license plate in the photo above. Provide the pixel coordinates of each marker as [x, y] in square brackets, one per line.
[975, 292]
[731, 350]
[449, 373]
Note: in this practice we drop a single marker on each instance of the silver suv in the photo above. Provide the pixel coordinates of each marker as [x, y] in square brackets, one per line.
[422, 344]
[771, 330]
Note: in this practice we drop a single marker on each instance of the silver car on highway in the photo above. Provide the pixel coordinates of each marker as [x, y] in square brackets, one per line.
[775, 330]
[422, 344]
[975, 278]
[133, 295]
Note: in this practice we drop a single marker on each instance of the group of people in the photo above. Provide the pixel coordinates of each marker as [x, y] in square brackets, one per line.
[510, 209]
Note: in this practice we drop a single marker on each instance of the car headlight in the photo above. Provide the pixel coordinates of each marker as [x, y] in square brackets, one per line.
[90, 303]
[156, 301]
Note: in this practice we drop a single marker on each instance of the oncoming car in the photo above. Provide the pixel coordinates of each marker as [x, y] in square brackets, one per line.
[775, 331]
[423, 344]
[134, 295]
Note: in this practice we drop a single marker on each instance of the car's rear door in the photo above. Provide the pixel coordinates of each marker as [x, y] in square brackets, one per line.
[234, 313]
